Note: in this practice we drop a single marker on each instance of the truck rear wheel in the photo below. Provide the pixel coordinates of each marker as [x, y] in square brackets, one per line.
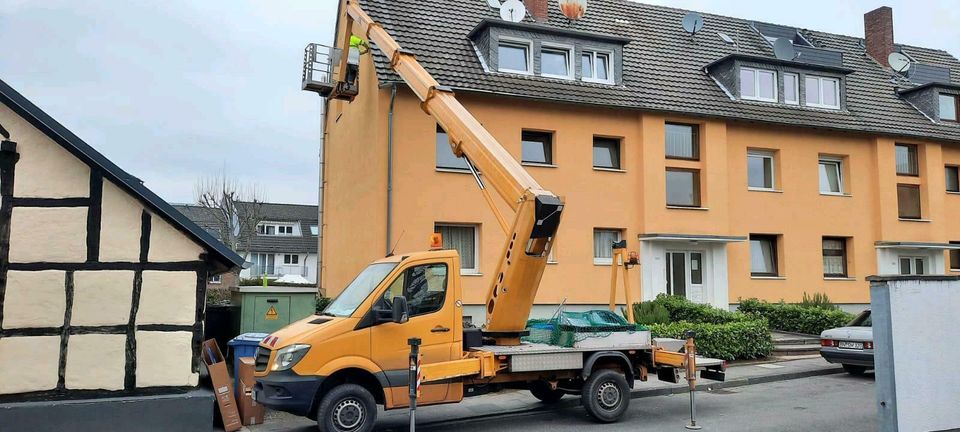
[347, 408]
[606, 395]
[542, 390]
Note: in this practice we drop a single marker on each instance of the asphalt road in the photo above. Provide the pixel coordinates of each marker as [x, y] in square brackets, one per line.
[827, 403]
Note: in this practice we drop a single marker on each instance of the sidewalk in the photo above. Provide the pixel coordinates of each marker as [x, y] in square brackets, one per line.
[520, 401]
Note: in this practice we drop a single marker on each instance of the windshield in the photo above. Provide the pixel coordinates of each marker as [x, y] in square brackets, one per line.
[862, 320]
[358, 290]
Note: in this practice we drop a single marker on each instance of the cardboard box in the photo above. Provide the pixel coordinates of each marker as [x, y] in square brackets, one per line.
[222, 385]
[251, 413]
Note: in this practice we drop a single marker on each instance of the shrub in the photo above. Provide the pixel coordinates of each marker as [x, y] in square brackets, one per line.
[322, 303]
[796, 318]
[745, 339]
[647, 313]
[681, 309]
[818, 300]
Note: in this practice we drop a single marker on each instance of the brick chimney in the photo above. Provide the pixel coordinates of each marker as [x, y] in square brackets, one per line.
[538, 9]
[878, 32]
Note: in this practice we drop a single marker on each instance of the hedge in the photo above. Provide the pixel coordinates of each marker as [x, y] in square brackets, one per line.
[795, 318]
[681, 309]
[730, 341]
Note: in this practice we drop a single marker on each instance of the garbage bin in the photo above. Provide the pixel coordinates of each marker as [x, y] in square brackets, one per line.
[244, 345]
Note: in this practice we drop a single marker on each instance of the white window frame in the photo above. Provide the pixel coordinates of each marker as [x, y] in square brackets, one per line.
[291, 255]
[765, 154]
[913, 265]
[594, 53]
[839, 164]
[516, 42]
[606, 261]
[820, 83]
[571, 66]
[756, 85]
[276, 229]
[796, 88]
[956, 107]
[315, 230]
[216, 279]
[475, 270]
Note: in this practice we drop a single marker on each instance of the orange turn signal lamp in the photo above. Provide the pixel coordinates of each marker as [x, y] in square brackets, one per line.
[436, 241]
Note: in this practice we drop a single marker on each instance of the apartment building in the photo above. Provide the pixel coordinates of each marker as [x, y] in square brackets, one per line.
[733, 172]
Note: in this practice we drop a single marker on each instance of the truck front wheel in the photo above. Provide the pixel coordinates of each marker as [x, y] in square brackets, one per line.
[347, 408]
[606, 395]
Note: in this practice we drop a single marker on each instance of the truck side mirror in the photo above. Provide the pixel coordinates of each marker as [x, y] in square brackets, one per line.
[400, 312]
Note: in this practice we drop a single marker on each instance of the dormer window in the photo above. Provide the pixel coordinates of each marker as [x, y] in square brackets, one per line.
[514, 57]
[822, 92]
[791, 88]
[596, 66]
[758, 84]
[948, 107]
[555, 62]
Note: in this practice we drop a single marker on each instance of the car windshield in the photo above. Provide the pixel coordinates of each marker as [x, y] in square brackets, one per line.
[358, 290]
[862, 320]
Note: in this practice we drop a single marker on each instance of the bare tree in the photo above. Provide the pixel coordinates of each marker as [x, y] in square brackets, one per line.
[237, 208]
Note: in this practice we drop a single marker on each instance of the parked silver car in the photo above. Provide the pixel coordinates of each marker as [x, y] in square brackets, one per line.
[850, 346]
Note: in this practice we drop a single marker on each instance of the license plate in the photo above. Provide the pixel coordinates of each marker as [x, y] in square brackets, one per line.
[851, 345]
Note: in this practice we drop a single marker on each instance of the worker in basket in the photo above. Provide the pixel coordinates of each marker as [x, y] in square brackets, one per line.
[358, 47]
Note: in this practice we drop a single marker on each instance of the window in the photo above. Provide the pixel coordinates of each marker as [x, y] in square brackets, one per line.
[465, 239]
[682, 141]
[606, 153]
[274, 229]
[285, 230]
[291, 259]
[424, 287]
[263, 264]
[683, 187]
[822, 92]
[445, 157]
[266, 229]
[907, 163]
[758, 84]
[834, 257]
[314, 230]
[948, 107]
[763, 255]
[908, 197]
[555, 62]
[913, 266]
[216, 279]
[955, 257]
[514, 57]
[953, 179]
[760, 170]
[595, 66]
[831, 177]
[536, 147]
[603, 240]
[791, 89]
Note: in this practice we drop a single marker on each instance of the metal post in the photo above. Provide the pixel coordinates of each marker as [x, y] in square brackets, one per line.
[414, 379]
[691, 350]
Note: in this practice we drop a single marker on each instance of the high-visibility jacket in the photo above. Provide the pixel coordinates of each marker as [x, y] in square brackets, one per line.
[359, 44]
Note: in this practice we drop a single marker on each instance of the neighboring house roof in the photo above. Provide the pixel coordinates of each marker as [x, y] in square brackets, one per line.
[219, 253]
[663, 68]
[305, 215]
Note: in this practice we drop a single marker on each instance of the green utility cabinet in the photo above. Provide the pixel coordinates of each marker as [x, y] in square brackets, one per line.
[266, 310]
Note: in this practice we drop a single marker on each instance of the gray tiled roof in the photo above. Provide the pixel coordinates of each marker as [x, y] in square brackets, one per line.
[306, 215]
[663, 66]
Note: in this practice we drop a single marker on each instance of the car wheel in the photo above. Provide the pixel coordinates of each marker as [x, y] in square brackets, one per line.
[854, 369]
[606, 395]
[541, 390]
[347, 408]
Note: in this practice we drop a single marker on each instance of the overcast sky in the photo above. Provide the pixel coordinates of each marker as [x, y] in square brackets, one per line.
[173, 90]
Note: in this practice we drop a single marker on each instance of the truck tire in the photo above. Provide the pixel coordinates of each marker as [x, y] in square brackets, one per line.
[541, 390]
[347, 408]
[606, 395]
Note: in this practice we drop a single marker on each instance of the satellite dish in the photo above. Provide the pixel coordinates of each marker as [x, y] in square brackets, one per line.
[898, 62]
[513, 11]
[573, 9]
[783, 49]
[494, 3]
[693, 23]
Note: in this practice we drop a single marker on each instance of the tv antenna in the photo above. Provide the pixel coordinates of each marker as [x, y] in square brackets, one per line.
[783, 49]
[899, 62]
[513, 11]
[692, 23]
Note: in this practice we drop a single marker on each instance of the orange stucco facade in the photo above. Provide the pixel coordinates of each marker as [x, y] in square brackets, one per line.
[632, 199]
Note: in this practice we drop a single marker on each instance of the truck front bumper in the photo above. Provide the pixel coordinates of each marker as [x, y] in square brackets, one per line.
[289, 392]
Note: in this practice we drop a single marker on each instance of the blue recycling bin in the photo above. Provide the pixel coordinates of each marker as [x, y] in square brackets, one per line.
[244, 345]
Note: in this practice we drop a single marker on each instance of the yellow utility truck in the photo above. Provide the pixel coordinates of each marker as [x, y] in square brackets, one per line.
[337, 366]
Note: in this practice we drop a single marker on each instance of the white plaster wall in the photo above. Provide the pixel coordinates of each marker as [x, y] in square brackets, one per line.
[48, 234]
[168, 298]
[888, 260]
[169, 244]
[311, 262]
[120, 225]
[96, 361]
[45, 169]
[165, 359]
[101, 298]
[42, 356]
[34, 299]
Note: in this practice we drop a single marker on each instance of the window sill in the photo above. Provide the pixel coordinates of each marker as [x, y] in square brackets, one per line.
[834, 194]
[470, 273]
[616, 170]
[453, 170]
[598, 81]
[832, 278]
[915, 220]
[752, 189]
[553, 262]
[953, 193]
[676, 207]
[601, 263]
[955, 270]
[535, 164]
[515, 72]
[756, 99]
[768, 278]
[558, 77]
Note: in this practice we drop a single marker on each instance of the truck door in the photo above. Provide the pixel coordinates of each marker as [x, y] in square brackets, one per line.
[428, 289]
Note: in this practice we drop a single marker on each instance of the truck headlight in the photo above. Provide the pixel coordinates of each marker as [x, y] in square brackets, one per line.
[287, 357]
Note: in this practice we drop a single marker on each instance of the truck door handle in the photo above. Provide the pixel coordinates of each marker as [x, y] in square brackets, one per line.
[439, 329]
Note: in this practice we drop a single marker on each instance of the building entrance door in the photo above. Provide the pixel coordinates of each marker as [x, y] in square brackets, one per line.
[684, 273]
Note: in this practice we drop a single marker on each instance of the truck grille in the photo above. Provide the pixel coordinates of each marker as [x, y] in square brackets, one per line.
[263, 357]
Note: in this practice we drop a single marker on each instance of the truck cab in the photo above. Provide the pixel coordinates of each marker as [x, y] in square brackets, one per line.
[354, 355]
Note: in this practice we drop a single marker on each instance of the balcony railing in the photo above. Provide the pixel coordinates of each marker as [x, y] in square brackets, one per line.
[279, 270]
